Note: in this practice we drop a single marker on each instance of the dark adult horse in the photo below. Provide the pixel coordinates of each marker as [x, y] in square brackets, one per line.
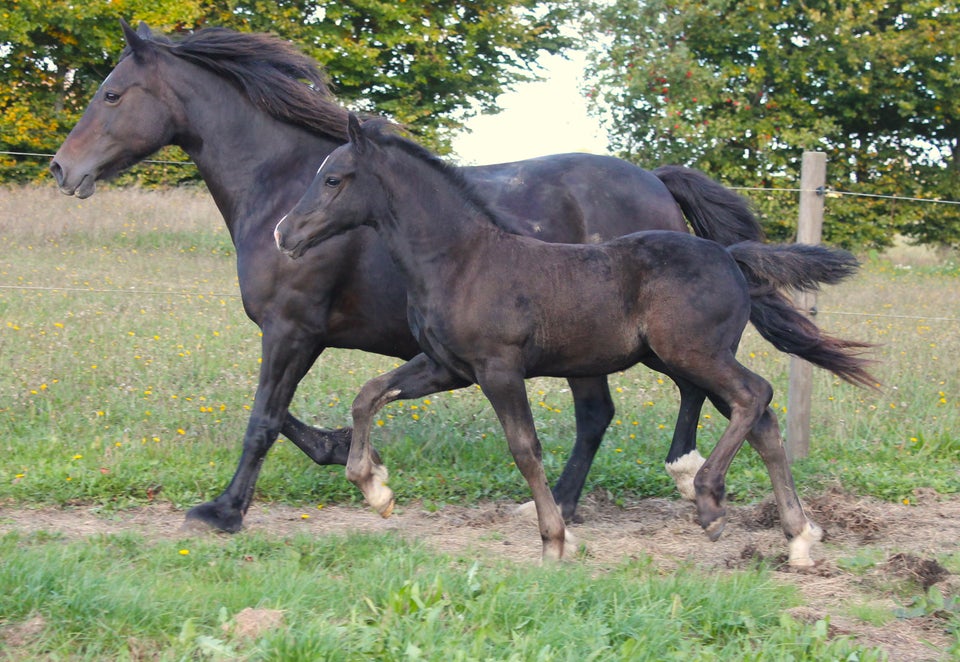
[493, 308]
[237, 104]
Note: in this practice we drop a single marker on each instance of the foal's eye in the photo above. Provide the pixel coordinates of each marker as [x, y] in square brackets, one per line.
[111, 97]
[332, 181]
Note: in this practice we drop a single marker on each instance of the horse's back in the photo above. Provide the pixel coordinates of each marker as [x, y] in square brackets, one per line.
[578, 198]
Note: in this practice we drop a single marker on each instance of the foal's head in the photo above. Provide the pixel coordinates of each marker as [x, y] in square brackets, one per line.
[343, 195]
[360, 183]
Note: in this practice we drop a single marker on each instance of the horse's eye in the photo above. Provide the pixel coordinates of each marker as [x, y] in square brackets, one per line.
[111, 97]
[332, 181]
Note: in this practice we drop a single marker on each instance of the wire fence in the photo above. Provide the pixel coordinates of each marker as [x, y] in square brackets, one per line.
[827, 191]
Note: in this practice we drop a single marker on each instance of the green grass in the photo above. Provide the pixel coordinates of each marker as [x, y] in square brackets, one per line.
[362, 597]
[130, 366]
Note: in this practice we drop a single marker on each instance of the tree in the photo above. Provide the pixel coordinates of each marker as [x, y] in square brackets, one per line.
[429, 64]
[741, 89]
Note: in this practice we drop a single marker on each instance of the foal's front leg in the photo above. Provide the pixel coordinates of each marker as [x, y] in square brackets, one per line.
[507, 393]
[418, 377]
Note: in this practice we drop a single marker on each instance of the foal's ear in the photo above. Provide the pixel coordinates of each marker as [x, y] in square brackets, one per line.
[143, 30]
[136, 40]
[356, 135]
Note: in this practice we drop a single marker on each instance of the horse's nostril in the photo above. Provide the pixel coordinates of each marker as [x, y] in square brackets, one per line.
[57, 172]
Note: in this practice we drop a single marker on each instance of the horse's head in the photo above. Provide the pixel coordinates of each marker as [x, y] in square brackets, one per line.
[129, 118]
[343, 195]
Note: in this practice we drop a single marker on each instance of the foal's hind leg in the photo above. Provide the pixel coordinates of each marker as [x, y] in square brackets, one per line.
[418, 377]
[745, 396]
[800, 531]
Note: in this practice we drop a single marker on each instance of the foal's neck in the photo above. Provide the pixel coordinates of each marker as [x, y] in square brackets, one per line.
[433, 227]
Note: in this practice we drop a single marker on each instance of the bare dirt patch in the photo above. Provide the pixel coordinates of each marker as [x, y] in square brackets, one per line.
[907, 540]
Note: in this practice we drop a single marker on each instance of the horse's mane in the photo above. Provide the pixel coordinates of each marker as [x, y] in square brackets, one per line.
[279, 79]
[385, 133]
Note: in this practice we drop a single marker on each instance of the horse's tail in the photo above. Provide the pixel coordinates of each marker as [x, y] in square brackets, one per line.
[768, 267]
[714, 211]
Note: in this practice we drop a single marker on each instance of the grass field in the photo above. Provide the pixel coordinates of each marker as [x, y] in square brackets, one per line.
[128, 371]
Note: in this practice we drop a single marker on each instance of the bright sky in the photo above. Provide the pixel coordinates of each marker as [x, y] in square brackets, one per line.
[548, 117]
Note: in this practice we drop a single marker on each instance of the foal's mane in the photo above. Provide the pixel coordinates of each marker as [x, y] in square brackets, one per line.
[385, 134]
[279, 79]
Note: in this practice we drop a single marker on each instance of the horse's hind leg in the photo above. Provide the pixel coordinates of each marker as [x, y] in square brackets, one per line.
[594, 410]
[800, 531]
[683, 460]
[418, 377]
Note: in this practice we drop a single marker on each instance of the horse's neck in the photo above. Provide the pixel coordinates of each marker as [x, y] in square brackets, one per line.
[256, 167]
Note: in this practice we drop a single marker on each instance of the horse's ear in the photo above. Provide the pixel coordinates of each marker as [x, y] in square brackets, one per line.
[143, 30]
[135, 41]
[355, 133]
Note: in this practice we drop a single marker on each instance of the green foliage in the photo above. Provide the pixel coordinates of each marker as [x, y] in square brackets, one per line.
[741, 89]
[429, 65]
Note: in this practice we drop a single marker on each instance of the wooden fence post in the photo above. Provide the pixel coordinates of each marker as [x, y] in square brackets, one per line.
[813, 180]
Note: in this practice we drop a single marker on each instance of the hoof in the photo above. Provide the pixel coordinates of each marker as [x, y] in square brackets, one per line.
[570, 546]
[800, 546]
[683, 470]
[715, 528]
[212, 517]
[567, 551]
[379, 496]
[388, 511]
[526, 511]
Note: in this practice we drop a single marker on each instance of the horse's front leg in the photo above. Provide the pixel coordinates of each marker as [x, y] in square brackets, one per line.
[285, 360]
[418, 377]
[507, 393]
[321, 445]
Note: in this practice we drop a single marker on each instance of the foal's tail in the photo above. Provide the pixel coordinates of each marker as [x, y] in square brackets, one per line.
[714, 211]
[770, 267]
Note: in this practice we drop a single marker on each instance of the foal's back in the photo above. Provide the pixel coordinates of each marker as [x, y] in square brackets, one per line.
[580, 310]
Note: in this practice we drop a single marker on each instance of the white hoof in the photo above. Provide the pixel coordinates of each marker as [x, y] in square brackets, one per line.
[570, 545]
[683, 470]
[568, 552]
[526, 511]
[378, 495]
[801, 544]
